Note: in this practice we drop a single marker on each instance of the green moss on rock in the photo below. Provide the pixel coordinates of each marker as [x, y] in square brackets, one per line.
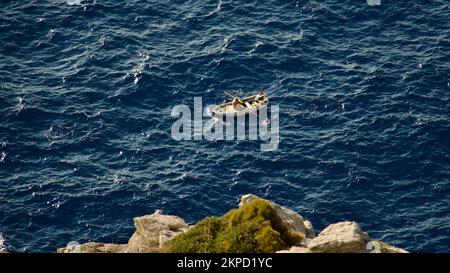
[254, 227]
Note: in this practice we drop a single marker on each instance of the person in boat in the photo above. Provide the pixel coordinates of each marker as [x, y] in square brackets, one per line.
[235, 103]
[260, 95]
[239, 105]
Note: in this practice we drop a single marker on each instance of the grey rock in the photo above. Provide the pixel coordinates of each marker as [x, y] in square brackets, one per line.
[290, 218]
[340, 237]
[309, 229]
[382, 247]
[92, 247]
[156, 229]
[296, 249]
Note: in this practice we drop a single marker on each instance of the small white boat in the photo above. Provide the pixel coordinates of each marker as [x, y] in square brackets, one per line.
[248, 105]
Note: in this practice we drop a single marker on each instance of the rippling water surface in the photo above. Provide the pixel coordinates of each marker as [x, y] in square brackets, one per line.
[87, 86]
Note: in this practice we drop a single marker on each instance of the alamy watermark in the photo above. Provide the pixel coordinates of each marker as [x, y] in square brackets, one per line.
[254, 125]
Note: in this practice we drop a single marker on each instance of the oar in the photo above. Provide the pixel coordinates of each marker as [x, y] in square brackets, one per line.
[241, 102]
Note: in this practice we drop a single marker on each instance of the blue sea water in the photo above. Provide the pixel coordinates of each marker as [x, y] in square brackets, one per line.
[87, 87]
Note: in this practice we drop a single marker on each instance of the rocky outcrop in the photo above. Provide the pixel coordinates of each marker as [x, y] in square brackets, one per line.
[154, 233]
[256, 226]
[344, 237]
[382, 247]
[92, 247]
[294, 221]
[340, 237]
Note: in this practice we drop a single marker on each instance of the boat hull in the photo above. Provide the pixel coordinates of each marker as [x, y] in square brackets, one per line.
[226, 110]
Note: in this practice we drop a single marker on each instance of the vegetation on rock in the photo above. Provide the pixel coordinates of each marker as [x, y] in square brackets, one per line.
[254, 227]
